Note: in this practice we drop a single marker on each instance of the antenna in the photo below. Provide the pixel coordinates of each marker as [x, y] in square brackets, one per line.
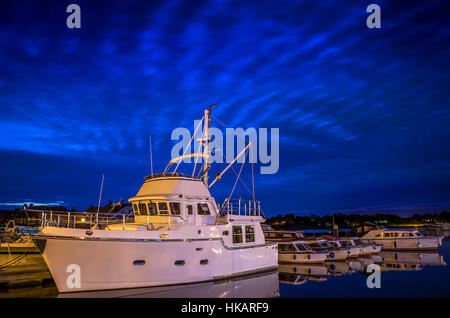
[151, 158]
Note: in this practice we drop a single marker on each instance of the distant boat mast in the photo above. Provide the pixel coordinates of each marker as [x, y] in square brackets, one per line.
[151, 158]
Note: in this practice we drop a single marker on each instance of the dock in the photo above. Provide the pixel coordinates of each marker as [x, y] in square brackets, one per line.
[23, 272]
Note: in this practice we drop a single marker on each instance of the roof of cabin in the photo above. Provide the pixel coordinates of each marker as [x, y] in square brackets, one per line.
[169, 184]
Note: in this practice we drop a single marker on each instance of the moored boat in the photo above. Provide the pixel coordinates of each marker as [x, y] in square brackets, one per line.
[333, 253]
[400, 239]
[178, 234]
[299, 252]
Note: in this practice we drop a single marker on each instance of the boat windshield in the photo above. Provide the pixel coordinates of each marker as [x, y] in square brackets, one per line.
[324, 244]
[301, 247]
[346, 243]
[358, 242]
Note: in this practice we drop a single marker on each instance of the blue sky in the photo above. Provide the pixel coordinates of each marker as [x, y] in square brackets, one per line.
[363, 113]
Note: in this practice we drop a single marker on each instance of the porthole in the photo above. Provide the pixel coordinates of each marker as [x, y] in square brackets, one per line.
[203, 262]
[179, 263]
[225, 233]
[139, 262]
[199, 249]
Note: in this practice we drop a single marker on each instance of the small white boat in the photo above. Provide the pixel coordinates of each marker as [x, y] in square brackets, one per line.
[299, 252]
[333, 253]
[401, 239]
[357, 247]
[23, 244]
[345, 244]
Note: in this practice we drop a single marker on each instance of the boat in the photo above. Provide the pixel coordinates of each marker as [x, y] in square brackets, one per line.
[20, 245]
[400, 239]
[333, 253]
[178, 234]
[352, 249]
[14, 241]
[299, 252]
[357, 247]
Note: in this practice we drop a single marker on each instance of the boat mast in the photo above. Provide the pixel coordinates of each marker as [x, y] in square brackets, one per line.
[207, 148]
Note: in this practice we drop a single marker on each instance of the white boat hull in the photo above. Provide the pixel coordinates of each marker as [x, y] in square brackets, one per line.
[423, 243]
[109, 264]
[301, 257]
[337, 255]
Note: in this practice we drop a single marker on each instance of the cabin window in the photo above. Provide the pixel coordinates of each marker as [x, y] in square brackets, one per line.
[378, 235]
[272, 235]
[152, 209]
[202, 209]
[163, 209]
[135, 208]
[237, 234]
[287, 235]
[180, 263]
[175, 208]
[190, 210]
[387, 234]
[204, 262]
[281, 247]
[395, 234]
[142, 209]
[249, 233]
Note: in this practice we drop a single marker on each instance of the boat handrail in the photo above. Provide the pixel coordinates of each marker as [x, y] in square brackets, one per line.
[169, 174]
[77, 219]
[239, 206]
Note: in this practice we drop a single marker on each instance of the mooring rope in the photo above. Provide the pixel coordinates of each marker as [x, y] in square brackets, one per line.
[17, 259]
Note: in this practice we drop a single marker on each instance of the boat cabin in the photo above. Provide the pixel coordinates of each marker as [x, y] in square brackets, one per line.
[392, 234]
[174, 198]
[293, 247]
[275, 235]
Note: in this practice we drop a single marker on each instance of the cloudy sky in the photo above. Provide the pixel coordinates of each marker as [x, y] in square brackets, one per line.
[363, 114]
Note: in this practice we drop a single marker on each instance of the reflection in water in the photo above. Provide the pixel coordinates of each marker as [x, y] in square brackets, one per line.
[263, 285]
[400, 261]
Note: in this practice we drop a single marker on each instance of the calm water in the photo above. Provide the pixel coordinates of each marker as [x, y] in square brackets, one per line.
[404, 274]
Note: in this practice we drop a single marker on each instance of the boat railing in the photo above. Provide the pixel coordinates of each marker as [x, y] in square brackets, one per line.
[77, 219]
[241, 206]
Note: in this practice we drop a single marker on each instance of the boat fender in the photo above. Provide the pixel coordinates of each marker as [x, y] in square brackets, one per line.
[294, 257]
[333, 267]
[89, 232]
[332, 255]
[309, 256]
